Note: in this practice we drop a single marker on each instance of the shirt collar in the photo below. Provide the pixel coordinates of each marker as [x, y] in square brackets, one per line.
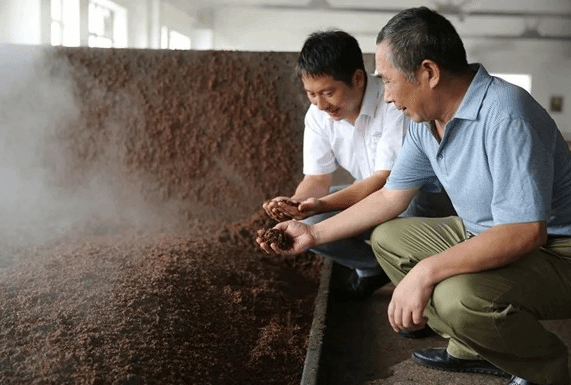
[371, 97]
[472, 101]
[370, 102]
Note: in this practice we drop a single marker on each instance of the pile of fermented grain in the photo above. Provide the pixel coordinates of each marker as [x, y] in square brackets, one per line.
[182, 295]
[109, 305]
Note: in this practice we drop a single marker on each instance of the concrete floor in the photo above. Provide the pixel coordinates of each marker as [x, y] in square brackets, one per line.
[360, 348]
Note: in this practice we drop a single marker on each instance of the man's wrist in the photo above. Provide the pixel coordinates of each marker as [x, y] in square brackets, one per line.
[318, 233]
[425, 268]
[319, 206]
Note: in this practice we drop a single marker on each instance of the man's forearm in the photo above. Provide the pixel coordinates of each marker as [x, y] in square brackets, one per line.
[379, 207]
[312, 186]
[354, 193]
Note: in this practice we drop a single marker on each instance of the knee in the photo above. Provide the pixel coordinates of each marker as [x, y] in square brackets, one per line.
[391, 239]
[386, 232]
[383, 238]
[458, 304]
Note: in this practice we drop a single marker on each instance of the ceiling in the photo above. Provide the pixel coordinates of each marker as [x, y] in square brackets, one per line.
[492, 19]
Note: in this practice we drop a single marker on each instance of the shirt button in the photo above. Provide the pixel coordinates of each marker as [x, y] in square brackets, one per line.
[440, 156]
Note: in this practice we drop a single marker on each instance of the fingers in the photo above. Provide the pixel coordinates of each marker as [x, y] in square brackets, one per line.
[309, 207]
[289, 208]
[272, 248]
[407, 320]
[297, 238]
[396, 316]
[419, 319]
[268, 209]
[274, 240]
[289, 202]
[263, 245]
[404, 319]
[280, 208]
[392, 317]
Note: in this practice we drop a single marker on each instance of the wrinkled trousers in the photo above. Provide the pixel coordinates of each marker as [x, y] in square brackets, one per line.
[493, 315]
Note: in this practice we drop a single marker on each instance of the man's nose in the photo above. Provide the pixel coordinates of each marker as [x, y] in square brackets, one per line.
[320, 103]
[387, 97]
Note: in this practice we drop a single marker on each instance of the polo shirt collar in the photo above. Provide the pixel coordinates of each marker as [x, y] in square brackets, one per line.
[371, 97]
[472, 101]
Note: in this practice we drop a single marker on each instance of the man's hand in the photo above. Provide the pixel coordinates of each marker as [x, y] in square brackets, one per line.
[281, 208]
[409, 300]
[300, 233]
[299, 210]
[309, 207]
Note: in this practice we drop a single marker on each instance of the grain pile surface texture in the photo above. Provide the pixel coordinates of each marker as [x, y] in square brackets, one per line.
[138, 178]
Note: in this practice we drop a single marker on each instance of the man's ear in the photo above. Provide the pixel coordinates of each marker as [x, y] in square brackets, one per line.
[359, 79]
[430, 73]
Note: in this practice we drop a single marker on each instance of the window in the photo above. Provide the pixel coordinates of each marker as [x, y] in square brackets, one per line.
[172, 39]
[57, 25]
[107, 23]
[524, 81]
[64, 29]
[100, 26]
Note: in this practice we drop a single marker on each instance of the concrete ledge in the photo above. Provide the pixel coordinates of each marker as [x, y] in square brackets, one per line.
[311, 365]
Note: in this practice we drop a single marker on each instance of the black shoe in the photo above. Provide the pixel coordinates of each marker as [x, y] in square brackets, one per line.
[421, 333]
[520, 381]
[441, 360]
[362, 287]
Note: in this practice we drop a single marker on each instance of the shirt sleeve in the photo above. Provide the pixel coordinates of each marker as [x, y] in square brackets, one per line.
[412, 167]
[522, 173]
[318, 155]
[394, 128]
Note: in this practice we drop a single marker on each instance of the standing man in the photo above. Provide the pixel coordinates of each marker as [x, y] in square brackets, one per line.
[349, 125]
[486, 278]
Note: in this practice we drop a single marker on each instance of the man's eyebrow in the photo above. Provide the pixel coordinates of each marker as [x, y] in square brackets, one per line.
[320, 91]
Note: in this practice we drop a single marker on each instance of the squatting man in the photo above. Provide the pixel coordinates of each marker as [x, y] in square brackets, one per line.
[483, 279]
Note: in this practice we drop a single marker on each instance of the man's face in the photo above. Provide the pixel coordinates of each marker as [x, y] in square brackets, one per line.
[409, 97]
[334, 96]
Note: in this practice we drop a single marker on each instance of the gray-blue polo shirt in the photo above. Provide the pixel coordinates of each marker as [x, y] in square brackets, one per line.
[501, 160]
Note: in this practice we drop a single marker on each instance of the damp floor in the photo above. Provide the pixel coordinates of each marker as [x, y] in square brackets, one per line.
[360, 348]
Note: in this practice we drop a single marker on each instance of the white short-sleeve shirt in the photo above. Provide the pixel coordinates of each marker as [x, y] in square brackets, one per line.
[372, 144]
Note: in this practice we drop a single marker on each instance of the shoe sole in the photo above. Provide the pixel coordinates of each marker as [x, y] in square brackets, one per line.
[490, 371]
[422, 333]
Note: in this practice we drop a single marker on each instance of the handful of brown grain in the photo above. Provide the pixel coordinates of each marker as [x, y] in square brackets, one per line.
[281, 239]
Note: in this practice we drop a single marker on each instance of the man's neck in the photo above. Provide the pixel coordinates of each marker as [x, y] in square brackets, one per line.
[452, 94]
[355, 114]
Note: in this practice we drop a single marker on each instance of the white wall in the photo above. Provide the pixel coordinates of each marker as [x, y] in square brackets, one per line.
[20, 21]
[554, 79]
[146, 17]
[247, 28]
[138, 25]
[174, 19]
[549, 63]
[273, 30]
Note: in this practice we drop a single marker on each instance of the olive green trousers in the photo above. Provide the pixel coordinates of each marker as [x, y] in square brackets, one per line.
[493, 315]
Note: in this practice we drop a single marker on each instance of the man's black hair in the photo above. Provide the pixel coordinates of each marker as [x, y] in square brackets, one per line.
[334, 53]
